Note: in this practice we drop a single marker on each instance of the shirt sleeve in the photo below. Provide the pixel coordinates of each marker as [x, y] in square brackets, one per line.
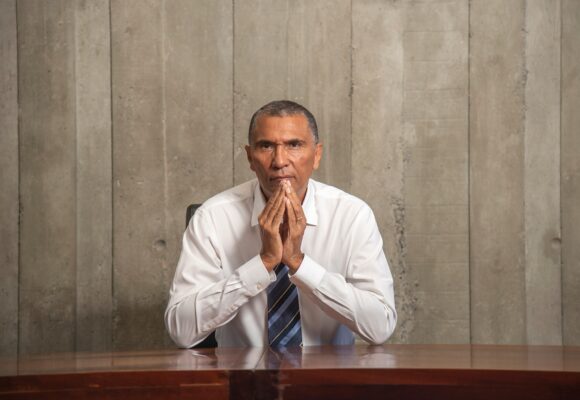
[202, 297]
[363, 298]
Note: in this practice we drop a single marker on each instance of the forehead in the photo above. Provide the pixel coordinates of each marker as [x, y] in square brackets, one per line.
[282, 128]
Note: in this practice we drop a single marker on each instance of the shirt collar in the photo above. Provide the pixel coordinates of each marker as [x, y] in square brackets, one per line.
[309, 204]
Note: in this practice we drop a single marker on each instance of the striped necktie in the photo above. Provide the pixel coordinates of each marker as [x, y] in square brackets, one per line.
[283, 311]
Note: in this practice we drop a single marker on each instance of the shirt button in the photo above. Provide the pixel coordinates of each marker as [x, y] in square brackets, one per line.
[259, 286]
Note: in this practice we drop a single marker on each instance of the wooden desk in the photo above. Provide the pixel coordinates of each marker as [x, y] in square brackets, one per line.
[169, 374]
[422, 372]
[348, 372]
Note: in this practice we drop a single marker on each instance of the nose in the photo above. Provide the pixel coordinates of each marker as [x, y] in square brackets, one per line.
[280, 157]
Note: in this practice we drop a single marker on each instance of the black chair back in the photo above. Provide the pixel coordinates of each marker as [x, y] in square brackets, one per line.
[191, 209]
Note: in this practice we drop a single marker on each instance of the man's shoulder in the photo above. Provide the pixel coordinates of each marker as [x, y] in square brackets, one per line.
[325, 192]
[232, 197]
[336, 204]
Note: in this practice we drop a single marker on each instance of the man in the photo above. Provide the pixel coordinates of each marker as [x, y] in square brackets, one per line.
[282, 259]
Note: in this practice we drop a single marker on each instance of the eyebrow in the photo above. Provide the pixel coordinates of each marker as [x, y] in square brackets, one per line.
[259, 143]
[290, 141]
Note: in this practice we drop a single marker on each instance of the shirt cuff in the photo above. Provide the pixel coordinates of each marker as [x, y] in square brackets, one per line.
[255, 276]
[309, 275]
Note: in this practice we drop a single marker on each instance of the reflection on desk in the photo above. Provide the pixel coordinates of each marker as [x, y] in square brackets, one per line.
[340, 372]
[475, 357]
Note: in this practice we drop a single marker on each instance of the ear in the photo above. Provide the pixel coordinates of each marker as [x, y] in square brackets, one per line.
[250, 158]
[317, 155]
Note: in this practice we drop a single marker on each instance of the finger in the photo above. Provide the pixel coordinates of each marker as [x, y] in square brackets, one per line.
[272, 200]
[291, 213]
[272, 205]
[277, 211]
[295, 204]
[296, 224]
[275, 215]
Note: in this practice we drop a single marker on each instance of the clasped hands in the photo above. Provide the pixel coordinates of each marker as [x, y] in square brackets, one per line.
[282, 225]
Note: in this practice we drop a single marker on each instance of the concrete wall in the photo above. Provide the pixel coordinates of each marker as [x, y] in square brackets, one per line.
[456, 120]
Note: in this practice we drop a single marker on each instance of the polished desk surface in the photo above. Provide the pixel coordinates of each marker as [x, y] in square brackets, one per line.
[430, 357]
[411, 371]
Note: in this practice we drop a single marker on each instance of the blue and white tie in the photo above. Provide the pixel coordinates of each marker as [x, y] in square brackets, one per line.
[283, 311]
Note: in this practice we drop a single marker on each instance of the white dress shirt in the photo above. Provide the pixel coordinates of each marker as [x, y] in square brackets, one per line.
[344, 282]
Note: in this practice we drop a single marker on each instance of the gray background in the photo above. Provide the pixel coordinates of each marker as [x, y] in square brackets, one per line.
[457, 121]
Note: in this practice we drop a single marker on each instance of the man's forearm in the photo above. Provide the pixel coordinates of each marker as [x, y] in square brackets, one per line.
[366, 308]
[191, 317]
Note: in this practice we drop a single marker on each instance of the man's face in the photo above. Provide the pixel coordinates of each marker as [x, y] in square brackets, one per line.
[282, 148]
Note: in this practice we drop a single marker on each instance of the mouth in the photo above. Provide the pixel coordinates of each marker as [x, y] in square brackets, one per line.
[278, 179]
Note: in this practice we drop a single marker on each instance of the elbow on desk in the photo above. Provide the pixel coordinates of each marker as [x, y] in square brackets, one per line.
[182, 338]
[182, 343]
[379, 338]
[179, 329]
[379, 332]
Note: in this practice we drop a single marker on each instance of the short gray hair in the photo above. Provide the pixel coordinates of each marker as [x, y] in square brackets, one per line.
[283, 108]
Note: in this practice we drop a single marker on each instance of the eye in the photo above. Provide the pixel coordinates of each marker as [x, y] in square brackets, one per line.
[295, 144]
[265, 145]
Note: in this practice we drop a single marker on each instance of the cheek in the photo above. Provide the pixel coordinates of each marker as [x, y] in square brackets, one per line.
[258, 164]
[304, 162]
[300, 159]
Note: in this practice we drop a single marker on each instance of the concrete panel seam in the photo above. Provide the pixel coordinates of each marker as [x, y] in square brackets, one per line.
[561, 171]
[469, 283]
[76, 173]
[351, 89]
[18, 324]
[111, 105]
[233, 92]
[166, 211]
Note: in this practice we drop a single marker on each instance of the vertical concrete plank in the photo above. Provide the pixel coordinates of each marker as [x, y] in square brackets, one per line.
[496, 123]
[8, 180]
[377, 136]
[198, 102]
[139, 248]
[435, 119]
[172, 126]
[542, 173]
[570, 170]
[47, 176]
[319, 76]
[282, 50]
[260, 67]
[94, 176]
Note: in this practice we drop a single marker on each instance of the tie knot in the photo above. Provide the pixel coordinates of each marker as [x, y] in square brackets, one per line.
[280, 268]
